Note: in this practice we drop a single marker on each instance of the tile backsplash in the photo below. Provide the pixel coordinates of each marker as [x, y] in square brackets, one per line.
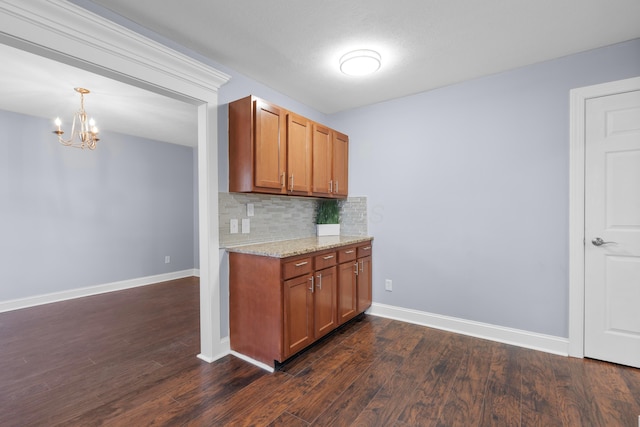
[283, 217]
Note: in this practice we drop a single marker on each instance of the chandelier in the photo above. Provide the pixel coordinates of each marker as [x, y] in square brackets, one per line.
[84, 134]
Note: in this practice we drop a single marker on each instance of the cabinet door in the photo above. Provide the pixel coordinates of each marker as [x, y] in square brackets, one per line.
[298, 154]
[322, 157]
[340, 164]
[347, 302]
[364, 283]
[298, 314]
[326, 301]
[269, 153]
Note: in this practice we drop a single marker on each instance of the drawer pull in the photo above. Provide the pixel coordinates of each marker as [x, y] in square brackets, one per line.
[356, 266]
[311, 288]
[319, 285]
[361, 266]
[300, 264]
[367, 248]
[350, 251]
[327, 257]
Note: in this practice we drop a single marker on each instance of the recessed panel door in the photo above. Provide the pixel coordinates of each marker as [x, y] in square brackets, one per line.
[612, 229]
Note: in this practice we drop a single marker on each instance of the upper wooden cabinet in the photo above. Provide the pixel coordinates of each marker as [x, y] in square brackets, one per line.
[340, 170]
[298, 154]
[322, 161]
[257, 152]
[273, 150]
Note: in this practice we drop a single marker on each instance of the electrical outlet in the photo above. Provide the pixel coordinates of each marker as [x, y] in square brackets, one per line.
[388, 285]
[167, 259]
[250, 209]
[234, 226]
[246, 225]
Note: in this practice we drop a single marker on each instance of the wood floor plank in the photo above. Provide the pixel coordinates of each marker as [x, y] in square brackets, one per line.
[540, 405]
[502, 398]
[129, 358]
[288, 420]
[465, 404]
[329, 389]
[576, 403]
[425, 404]
[387, 405]
[343, 411]
[272, 404]
[615, 401]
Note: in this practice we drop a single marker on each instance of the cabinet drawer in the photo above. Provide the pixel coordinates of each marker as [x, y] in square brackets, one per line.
[346, 254]
[324, 260]
[364, 250]
[296, 268]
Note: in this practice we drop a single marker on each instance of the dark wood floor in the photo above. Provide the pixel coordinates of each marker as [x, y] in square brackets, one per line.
[129, 358]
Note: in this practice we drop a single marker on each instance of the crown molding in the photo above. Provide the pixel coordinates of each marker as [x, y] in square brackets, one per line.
[66, 32]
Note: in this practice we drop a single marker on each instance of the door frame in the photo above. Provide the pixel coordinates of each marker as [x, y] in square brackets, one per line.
[65, 32]
[577, 149]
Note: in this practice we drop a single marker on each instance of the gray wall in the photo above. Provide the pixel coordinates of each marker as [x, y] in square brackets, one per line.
[470, 217]
[73, 218]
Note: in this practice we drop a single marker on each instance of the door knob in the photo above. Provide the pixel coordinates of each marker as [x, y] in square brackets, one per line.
[599, 242]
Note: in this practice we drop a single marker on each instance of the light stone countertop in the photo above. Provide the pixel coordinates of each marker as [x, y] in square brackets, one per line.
[287, 248]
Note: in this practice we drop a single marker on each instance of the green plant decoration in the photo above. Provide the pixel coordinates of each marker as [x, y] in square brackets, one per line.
[328, 212]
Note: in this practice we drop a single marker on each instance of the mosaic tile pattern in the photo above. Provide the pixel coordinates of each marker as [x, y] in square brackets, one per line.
[283, 217]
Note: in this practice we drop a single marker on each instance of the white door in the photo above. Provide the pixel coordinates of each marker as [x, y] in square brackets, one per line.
[612, 229]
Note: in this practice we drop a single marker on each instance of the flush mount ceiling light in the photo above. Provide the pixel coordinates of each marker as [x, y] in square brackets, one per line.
[84, 133]
[360, 62]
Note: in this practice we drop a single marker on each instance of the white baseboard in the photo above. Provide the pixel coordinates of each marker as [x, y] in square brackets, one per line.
[526, 339]
[225, 347]
[252, 361]
[16, 304]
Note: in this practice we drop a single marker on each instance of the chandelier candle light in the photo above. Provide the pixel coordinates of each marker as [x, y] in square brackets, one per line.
[86, 133]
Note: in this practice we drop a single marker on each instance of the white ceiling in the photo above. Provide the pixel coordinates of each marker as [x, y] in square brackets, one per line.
[293, 46]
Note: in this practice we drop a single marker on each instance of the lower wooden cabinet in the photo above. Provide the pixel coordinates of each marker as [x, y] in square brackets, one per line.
[277, 307]
[325, 301]
[347, 301]
[298, 314]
